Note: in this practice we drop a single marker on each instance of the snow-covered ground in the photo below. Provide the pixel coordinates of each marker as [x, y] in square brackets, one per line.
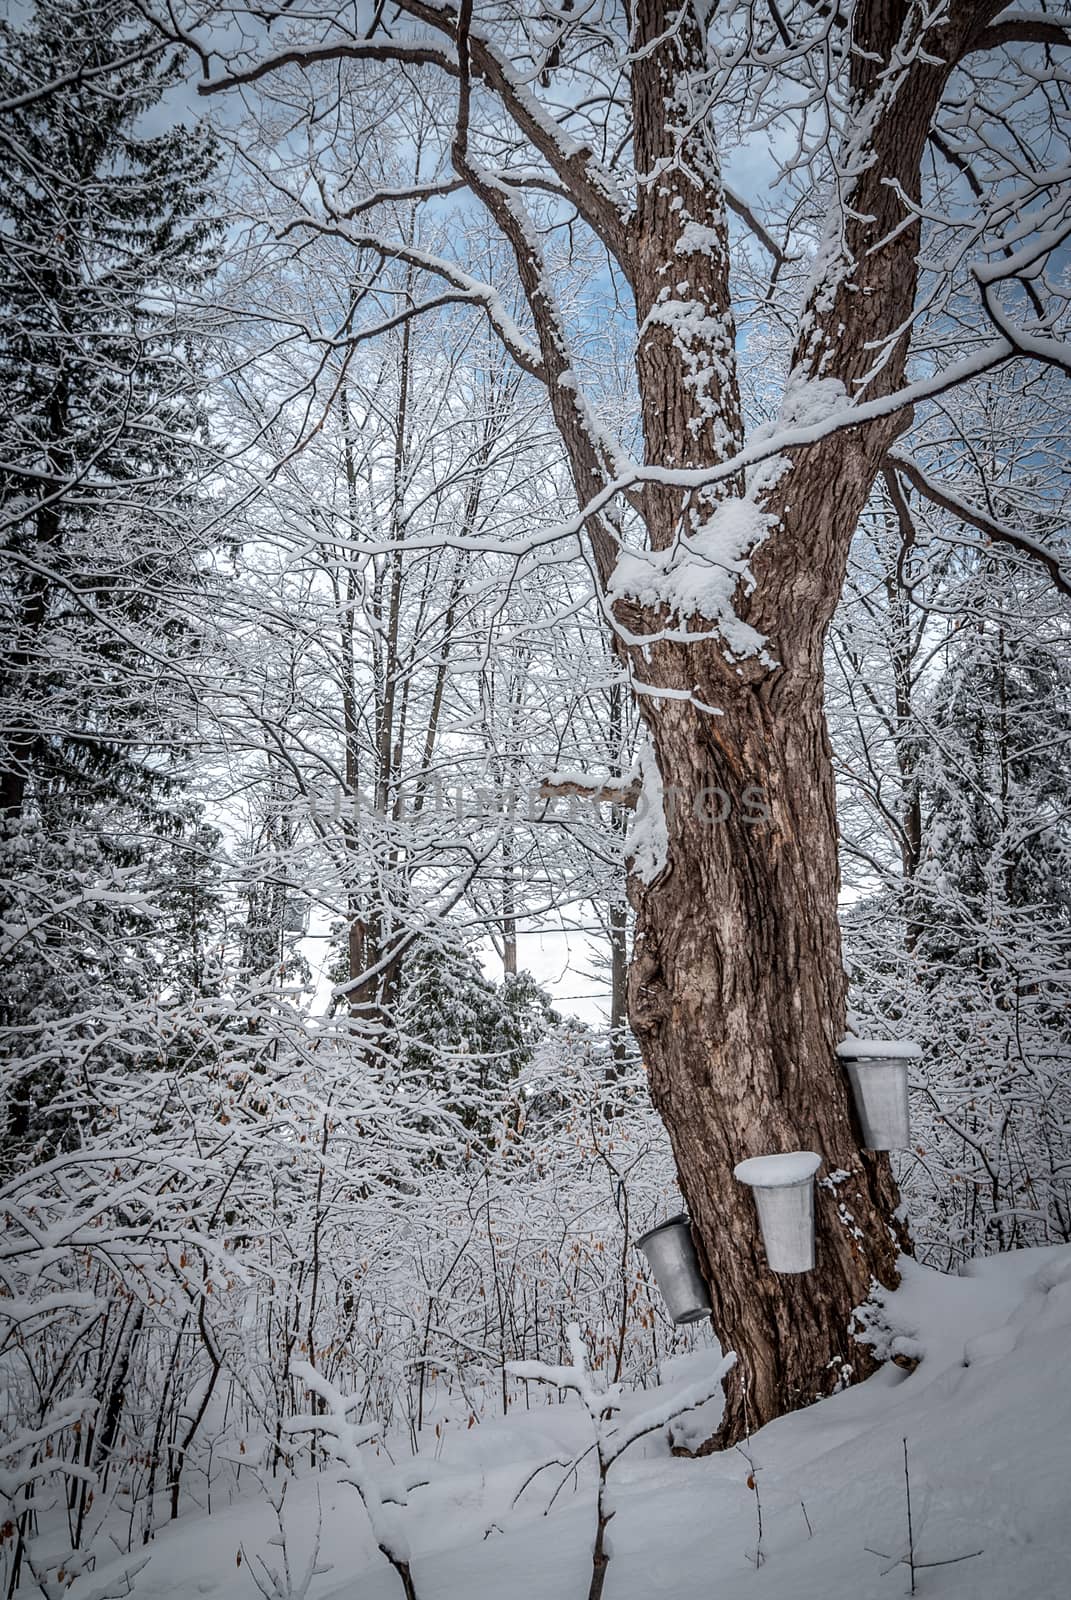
[986, 1414]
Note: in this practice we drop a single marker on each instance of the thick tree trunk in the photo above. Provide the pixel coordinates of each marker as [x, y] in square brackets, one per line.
[737, 991]
[737, 997]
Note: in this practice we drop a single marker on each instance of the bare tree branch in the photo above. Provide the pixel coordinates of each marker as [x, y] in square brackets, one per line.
[591, 189]
[939, 495]
[361, 50]
[467, 289]
[1025, 28]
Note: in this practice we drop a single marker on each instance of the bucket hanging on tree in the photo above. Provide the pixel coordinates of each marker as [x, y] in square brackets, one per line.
[784, 1197]
[672, 1258]
[877, 1071]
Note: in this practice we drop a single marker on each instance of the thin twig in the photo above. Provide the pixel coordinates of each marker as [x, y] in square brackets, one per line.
[910, 1530]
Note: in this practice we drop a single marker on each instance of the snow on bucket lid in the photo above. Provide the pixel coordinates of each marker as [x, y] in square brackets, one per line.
[777, 1172]
[879, 1050]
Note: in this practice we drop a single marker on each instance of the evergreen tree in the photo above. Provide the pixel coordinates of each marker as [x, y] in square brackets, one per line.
[104, 227]
[464, 1037]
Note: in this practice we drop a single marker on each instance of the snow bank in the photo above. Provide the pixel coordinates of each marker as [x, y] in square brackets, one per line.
[987, 1417]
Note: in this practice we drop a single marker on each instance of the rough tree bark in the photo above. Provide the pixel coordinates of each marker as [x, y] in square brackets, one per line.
[737, 998]
[737, 990]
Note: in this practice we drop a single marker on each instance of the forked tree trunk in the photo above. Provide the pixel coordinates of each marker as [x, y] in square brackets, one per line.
[737, 991]
[737, 997]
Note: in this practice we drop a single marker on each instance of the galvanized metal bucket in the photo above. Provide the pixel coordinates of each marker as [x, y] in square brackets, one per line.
[783, 1187]
[671, 1254]
[879, 1087]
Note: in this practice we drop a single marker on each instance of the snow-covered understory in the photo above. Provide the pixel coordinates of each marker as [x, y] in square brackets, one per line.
[986, 1414]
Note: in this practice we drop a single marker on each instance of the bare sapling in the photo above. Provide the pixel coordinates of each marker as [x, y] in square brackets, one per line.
[383, 1493]
[611, 1440]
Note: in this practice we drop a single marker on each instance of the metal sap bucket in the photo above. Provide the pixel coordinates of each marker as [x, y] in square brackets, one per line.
[877, 1070]
[784, 1197]
[672, 1258]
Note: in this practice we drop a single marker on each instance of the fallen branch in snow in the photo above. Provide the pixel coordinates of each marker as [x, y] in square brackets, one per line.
[607, 791]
